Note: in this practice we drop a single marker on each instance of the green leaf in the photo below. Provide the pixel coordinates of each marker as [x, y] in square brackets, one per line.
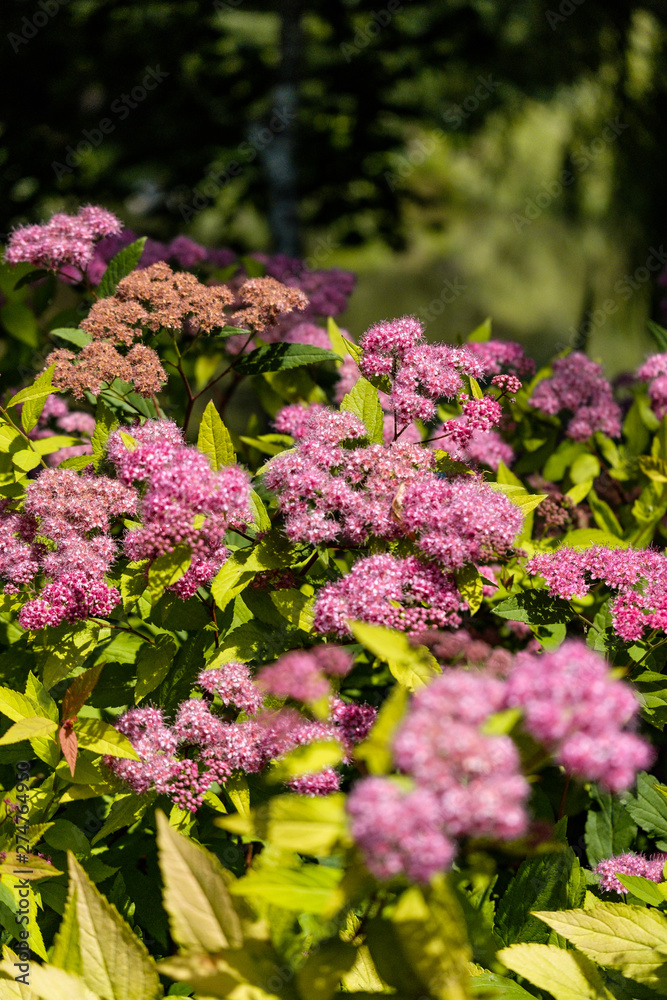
[412, 666]
[295, 823]
[214, 439]
[648, 807]
[470, 585]
[431, 930]
[475, 388]
[130, 442]
[519, 496]
[153, 665]
[279, 357]
[40, 389]
[26, 460]
[336, 338]
[535, 607]
[658, 333]
[125, 811]
[610, 830]
[363, 400]
[481, 333]
[306, 760]
[585, 467]
[604, 515]
[324, 968]
[541, 881]
[260, 515]
[580, 491]
[20, 322]
[643, 888]
[35, 275]
[106, 421]
[32, 408]
[632, 939]
[196, 896]
[103, 738]
[15, 705]
[567, 975]
[375, 750]
[114, 962]
[167, 569]
[77, 337]
[310, 889]
[654, 468]
[120, 266]
[492, 987]
[28, 729]
[583, 537]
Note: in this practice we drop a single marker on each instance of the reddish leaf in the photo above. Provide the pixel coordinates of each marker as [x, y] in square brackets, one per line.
[79, 691]
[69, 744]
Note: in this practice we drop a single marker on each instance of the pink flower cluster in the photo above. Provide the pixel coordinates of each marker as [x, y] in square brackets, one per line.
[65, 240]
[575, 708]
[629, 864]
[65, 421]
[330, 492]
[639, 577]
[63, 533]
[405, 594]
[654, 371]
[502, 357]
[465, 783]
[222, 748]
[185, 502]
[578, 385]
[421, 374]
[303, 674]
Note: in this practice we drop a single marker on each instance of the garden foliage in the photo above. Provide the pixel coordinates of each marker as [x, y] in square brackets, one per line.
[365, 694]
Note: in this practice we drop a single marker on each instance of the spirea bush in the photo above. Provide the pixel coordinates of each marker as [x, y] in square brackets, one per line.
[331, 663]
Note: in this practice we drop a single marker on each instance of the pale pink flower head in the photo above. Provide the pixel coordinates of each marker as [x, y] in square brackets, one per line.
[578, 385]
[502, 356]
[157, 442]
[233, 685]
[629, 864]
[399, 832]
[654, 371]
[63, 241]
[295, 675]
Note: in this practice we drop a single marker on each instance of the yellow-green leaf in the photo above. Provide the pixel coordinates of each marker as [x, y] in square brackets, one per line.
[363, 400]
[28, 729]
[114, 961]
[412, 666]
[470, 586]
[567, 975]
[214, 438]
[631, 939]
[103, 738]
[196, 897]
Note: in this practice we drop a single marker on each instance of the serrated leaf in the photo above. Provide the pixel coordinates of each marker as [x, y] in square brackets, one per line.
[166, 570]
[260, 515]
[469, 583]
[214, 439]
[364, 402]
[125, 811]
[280, 357]
[40, 389]
[196, 896]
[567, 975]
[540, 881]
[114, 962]
[120, 266]
[79, 691]
[295, 823]
[647, 806]
[14, 705]
[643, 888]
[28, 729]
[412, 666]
[610, 830]
[631, 939]
[106, 421]
[72, 336]
[311, 889]
[103, 738]
[519, 496]
[153, 665]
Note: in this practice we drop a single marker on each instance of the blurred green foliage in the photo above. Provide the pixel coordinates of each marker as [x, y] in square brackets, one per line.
[353, 132]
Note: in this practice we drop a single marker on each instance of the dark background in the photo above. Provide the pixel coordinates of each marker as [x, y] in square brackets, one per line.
[466, 159]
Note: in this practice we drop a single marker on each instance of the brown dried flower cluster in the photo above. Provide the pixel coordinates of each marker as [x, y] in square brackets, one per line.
[100, 362]
[157, 298]
[264, 301]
